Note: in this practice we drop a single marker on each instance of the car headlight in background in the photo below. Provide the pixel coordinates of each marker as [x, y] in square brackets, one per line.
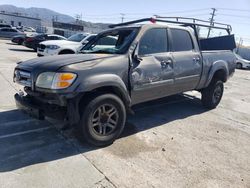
[52, 47]
[52, 80]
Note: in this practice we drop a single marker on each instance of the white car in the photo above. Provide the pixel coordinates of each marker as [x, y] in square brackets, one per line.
[69, 46]
[242, 63]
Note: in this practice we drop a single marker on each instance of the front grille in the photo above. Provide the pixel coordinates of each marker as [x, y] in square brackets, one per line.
[42, 46]
[22, 77]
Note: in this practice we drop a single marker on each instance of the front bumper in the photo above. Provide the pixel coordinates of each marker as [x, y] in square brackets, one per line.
[25, 104]
[40, 106]
[39, 109]
[46, 52]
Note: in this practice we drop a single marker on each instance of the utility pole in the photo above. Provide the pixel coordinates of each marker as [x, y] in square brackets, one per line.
[239, 45]
[122, 16]
[211, 21]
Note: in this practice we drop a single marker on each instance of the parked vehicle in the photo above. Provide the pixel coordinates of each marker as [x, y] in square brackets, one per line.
[33, 41]
[28, 29]
[7, 32]
[69, 46]
[242, 63]
[5, 25]
[19, 39]
[95, 90]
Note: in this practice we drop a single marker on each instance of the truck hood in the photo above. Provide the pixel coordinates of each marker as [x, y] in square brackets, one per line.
[60, 42]
[53, 63]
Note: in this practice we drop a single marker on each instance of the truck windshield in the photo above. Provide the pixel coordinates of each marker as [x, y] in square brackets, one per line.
[112, 42]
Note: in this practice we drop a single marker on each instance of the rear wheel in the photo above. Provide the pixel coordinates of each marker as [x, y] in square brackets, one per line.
[211, 96]
[20, 42]
[102, 120]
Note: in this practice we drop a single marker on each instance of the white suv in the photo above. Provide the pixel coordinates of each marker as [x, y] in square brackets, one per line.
[69, 46]
[242, 63]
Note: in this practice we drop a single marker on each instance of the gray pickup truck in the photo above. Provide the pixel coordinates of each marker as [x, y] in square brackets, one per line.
[95, 90]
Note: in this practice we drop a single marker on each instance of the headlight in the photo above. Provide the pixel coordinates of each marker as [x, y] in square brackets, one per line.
[52, 47]
[52, 80]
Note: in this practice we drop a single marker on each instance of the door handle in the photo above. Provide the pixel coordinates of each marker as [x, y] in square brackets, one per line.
[165, 63]
[196, 59]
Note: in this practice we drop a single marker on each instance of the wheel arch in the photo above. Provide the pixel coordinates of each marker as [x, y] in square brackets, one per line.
[218, 70]
[66, 50]
[103, 84]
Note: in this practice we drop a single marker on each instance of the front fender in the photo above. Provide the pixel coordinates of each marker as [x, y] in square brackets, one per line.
[216, 66]
[105, 80]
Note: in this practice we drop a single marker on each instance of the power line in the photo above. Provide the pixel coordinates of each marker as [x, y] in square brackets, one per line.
[239, 10]
[233, 15]
[147, 13]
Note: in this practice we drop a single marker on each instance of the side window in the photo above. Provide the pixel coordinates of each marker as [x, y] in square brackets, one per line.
[12, 30]
[182, 40]
[153, 41]
[51, 38]
[111, 41]
[5, 30]
[60, 38]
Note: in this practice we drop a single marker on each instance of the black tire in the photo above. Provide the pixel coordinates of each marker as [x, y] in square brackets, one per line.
[211, 96]
[20, 42]
[239, 66]
[66, 52]
[96, 126]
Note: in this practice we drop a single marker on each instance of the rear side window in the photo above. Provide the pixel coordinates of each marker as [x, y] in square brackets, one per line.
[154, 41]
[5, 30]
[181, 40]
[12, 30]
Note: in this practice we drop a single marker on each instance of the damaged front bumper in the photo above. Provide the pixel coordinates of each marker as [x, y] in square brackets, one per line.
[41, 107]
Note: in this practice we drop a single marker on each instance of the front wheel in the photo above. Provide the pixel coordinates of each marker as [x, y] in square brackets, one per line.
[211, 96]
[102, 120]
[239, 66]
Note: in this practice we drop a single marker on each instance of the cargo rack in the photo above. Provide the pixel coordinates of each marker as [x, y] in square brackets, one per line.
[215, 43]
[183, 21]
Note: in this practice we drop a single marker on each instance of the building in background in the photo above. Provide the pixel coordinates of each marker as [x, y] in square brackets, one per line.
[52, 26]
[66, 29]
[18, 19]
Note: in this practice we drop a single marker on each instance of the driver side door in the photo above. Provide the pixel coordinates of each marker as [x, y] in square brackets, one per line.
[152, 76]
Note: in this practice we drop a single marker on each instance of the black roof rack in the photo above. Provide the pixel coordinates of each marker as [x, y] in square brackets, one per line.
[193, 22]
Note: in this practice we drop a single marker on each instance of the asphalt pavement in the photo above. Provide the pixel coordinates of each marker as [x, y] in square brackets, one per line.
[171, 142]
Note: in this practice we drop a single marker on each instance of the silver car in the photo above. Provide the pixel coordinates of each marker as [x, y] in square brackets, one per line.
[9, 32]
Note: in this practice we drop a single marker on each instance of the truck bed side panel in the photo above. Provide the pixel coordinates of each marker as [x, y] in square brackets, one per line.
[212, 59]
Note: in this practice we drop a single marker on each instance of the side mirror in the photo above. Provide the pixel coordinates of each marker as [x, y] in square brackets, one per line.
[137, 58]
[85, 42]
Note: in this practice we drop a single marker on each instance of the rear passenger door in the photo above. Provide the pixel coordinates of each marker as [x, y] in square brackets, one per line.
[152, 76]
[187, 60]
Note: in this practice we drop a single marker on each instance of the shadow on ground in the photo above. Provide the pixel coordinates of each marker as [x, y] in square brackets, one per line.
[21, 50]
[14, 44]
[48, 144]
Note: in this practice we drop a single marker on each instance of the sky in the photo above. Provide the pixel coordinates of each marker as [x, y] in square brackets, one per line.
[234, 12]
